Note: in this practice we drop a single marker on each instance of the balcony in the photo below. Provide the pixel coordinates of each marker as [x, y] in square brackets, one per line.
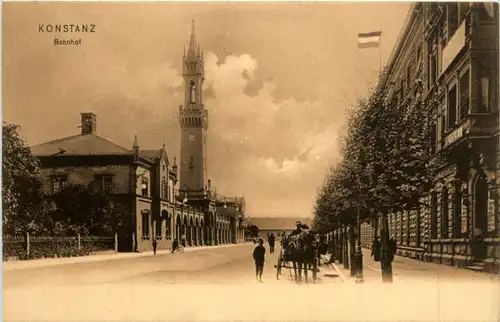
[455, 45]
[472, 127]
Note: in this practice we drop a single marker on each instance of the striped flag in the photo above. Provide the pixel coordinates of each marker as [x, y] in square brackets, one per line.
[369, 39]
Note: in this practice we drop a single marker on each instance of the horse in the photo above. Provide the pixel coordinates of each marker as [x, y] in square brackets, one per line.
[301, 250]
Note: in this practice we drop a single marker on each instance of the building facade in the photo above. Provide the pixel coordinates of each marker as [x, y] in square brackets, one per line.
[140, 183]
[447, 53]
[144, 184]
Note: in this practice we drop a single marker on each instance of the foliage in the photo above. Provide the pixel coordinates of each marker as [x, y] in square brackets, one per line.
[23, 202]
[385, 166]
[252, 231]
[82, 209]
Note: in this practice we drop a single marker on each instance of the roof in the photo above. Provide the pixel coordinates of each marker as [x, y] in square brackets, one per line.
[276, 223]
[400, 40]
[153, 155]
[89, 144]
[150, 154]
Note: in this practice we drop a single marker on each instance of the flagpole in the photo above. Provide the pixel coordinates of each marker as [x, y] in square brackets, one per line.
[380, 54]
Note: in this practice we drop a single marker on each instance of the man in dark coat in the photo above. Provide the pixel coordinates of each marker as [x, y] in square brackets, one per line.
[271, 241]
[155, 244]
[376, 249]
[299, 227]
[259, 257]
[393, 247]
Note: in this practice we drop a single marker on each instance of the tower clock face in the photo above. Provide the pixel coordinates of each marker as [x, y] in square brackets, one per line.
[191, 138]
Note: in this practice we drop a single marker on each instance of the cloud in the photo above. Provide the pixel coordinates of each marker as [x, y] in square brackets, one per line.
[260, 145]
[276, 95]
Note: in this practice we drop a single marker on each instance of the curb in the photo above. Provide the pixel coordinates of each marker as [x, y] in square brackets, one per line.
[326, 260]
[343, 277]
[38, 263]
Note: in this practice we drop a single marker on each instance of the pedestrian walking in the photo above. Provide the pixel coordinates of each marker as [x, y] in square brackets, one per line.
[183, 240]
[271, 241]
[155, 244]
[376, 249]
[259, 254]
[393, 247]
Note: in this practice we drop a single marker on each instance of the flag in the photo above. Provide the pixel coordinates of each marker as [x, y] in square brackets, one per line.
[370, 39]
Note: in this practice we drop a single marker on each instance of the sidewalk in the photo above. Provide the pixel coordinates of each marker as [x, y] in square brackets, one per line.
[104, 256]
[405, 269]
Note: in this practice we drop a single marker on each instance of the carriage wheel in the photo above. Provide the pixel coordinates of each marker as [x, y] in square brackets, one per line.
[278, 268]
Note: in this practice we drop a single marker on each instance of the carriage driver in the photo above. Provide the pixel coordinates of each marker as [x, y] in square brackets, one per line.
[299, 228]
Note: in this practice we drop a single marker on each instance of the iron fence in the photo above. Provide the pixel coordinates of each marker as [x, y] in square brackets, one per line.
[24, 247]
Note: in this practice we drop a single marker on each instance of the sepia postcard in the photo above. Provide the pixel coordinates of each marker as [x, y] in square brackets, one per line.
[250, 161]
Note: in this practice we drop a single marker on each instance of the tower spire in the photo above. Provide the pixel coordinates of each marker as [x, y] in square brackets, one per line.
[192, 42]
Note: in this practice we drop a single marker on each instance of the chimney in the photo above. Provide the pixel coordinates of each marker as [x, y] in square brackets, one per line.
[209, 185]
[89, 123]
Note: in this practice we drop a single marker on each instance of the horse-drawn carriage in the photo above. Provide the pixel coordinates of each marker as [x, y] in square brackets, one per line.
[299, 252]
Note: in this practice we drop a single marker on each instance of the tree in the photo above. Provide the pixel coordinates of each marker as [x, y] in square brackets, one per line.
[252, 231]
[385, 167]
[83, 209]
[395, 155]
[24, 206]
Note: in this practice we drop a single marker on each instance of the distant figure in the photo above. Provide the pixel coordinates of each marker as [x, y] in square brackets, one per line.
[183, 240]
[393, 247]
[155, 244]
[271, 241]
[376, 249]
[259, 257]
[175, 245]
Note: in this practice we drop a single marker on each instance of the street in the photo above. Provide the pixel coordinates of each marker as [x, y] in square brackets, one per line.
[218, 284]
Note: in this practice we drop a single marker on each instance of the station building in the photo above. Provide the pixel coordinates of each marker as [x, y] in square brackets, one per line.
[153, 197]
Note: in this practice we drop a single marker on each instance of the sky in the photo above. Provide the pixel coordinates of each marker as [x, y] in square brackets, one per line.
[280, 80]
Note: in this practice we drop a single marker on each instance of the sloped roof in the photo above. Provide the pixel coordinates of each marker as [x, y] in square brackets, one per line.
[150, 154]
[276, 223]
[89, 144]
[154, 154]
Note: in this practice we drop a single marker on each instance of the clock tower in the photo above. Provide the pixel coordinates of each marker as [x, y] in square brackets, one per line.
[193, 119]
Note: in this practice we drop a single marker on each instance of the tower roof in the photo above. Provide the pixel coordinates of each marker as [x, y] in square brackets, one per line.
[192, 43]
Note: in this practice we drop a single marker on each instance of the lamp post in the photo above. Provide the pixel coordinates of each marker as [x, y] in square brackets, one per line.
[359, 255]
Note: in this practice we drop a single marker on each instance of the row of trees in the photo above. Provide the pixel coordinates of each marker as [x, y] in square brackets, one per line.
[386, 166]
[27, 207]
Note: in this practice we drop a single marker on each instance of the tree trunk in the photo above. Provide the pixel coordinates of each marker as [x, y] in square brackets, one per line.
[345, 244]
[333, 251]
[385, 258]
[352, 250]
[340, 247]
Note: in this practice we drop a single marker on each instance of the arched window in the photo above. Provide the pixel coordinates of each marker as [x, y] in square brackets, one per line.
[434, 209]
[457, 211]
[444, 213]
[145, 224]
[192, 92]
[163, 188]
[158, 227]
